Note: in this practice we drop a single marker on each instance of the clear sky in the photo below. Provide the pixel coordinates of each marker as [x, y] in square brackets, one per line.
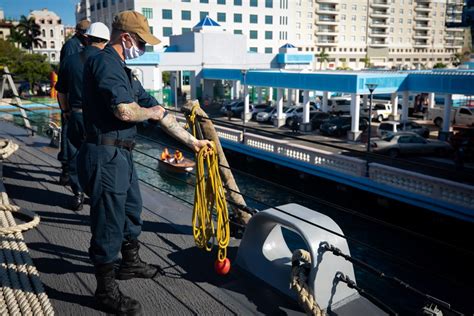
[64, 8]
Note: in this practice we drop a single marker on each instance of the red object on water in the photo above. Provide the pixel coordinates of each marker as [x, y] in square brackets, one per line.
[222, 267]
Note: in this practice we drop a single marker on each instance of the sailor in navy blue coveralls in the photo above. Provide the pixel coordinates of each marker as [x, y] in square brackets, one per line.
[112, 106]
[72, 46]
[69, 88]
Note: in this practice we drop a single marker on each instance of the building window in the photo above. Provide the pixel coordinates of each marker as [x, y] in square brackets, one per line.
[167, 31]
[268, 35]
[354, 7]
[52, 44]
[92, 8]
[204, 1]
[268, 19]
[254, 3]
[43, 32]
[237, 31]
[186, 15]
[237, 18]
[113, 2]
[62, 32]
[148, 48]
[237, 2]
[354, 18]
[53, 56]
[185, 30]
[253, 49]
[167, 14]
[253, 34]
[253, 18]
[221, 17]
[220, 1]
[98, 5]
[203, 14]
[151, 29]
[268, 50]
[148, 13]
[185, 0]
[104, 4]
[268, 3]
[51, 33]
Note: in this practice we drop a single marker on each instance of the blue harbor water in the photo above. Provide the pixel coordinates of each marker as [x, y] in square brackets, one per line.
[433, 267]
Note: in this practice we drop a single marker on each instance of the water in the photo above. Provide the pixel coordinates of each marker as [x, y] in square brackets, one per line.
[432, 267]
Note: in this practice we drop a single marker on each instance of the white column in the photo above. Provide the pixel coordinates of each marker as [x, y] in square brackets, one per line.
[305, 106]
[297, 97]
[233, 90]
[325, 101]
[259, 95]
[431, 100]
[355, 112]
[238, 89]
[270, 94]
[246, 103]
[394, 99]
[448, 102]
[279, 103]
[406, 95]
[290, 97]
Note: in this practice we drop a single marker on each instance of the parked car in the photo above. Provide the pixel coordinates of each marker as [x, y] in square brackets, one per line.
[297, 115]
[260, 108]
[380, 111]
[286, 111]
[461, 115]
[408, 143]
[266, 115]
[339, 126]
[319, 118]
[235, 108]
[391, 127]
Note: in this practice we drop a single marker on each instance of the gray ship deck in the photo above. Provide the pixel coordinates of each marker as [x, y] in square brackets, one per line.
[59, 245]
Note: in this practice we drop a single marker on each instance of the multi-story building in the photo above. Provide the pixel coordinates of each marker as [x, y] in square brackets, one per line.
[355, 33]
[52, 34]
[389, 33]
[268, 24]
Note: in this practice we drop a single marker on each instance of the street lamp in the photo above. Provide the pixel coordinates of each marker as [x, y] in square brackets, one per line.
[371, 87]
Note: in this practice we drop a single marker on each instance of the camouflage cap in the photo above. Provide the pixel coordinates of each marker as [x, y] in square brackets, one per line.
[83, 25]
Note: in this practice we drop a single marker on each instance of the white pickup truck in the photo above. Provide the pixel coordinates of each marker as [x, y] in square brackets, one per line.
[461, 115]
[380, 111]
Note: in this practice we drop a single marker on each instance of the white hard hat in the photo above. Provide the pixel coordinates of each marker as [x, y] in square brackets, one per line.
[99, 30]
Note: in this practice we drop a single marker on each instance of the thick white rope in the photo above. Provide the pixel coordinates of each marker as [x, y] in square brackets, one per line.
[21, 291]
[299, 283]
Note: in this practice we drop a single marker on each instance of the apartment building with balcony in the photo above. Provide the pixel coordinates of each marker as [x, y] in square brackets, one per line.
[52, 34]
[268, 24]
[389, 33]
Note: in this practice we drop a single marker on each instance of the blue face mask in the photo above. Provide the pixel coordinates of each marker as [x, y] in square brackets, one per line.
[132, 52]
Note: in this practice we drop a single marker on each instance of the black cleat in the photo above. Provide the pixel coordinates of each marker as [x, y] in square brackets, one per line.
[78, 202]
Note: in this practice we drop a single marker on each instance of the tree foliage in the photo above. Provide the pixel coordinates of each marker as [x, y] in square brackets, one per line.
[30, 67]
[27, 33]
[323, 57]
[439, 65]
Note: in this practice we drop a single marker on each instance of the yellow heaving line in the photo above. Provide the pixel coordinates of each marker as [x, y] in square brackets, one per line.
[209, 196]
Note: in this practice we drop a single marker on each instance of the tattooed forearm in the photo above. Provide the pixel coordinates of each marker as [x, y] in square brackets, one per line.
[172, 127]
[131, 112]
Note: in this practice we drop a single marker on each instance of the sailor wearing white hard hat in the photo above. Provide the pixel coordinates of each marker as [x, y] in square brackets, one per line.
[69, 87]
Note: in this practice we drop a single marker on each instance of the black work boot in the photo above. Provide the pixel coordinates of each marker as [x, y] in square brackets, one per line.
[108, 295]
[77, 202]
[132, 266]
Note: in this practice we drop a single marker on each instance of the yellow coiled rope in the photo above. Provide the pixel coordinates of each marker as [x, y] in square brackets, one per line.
[209, 197]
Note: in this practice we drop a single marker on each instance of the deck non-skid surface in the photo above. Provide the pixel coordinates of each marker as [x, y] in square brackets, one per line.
[59, 246]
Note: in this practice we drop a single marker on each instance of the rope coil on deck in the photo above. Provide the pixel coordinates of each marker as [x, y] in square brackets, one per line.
[21, 290]
[301, 266]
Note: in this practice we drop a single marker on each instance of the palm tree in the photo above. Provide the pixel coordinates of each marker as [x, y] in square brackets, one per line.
[30, 32]
[323, 57]
[366, 61]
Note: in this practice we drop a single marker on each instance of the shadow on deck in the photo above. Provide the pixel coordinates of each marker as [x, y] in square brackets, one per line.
[59, 247]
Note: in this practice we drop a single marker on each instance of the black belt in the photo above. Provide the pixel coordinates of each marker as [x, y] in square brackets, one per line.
[111, 141]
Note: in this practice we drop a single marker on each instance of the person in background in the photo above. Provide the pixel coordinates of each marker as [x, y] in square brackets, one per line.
[72, 46]
[113, 104]
[69, 87]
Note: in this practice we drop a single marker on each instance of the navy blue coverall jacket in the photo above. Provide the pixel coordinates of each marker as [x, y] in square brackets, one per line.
[107, 172]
